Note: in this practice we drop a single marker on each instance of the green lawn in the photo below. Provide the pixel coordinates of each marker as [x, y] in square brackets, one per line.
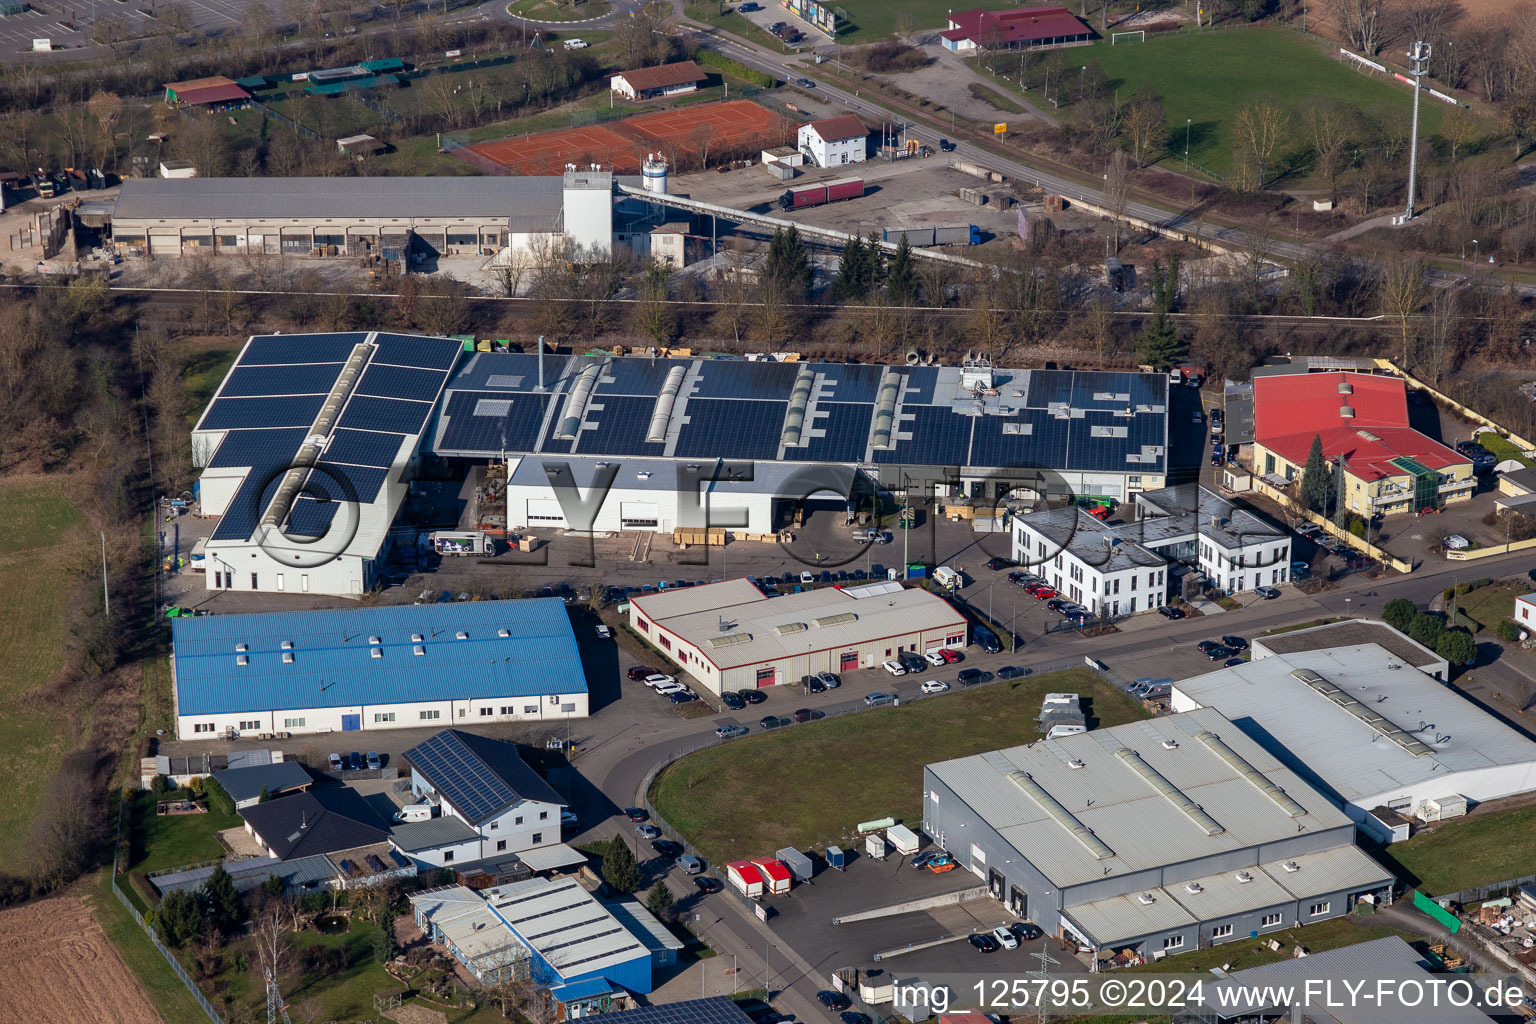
[1245, 953]
[37, 560]
[1490, 605]
[1502, 449]
[1206, 77]
[811, 784]
[169, 996]
[558, 10]
[157, 842]
[1479, 850]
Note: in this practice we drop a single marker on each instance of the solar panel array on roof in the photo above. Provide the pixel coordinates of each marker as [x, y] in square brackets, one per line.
[461, 777]
[388, 381]
[740, 429]
[714, 1010]
[247, 413]
[621, 425]
[845, 430]
[362, 448]
[316, 348]
[303, 379]
[516, 431]
[245, 508]
[411, 350]
[258, 447]
[365, 412]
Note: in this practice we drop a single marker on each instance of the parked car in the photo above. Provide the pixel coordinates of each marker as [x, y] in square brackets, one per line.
[637, 813]
[568, 819]
[1169, 612]
[1234, 662]
[336, 763]
[833, 1001]
[986, 640]
[878, 697]
[1456, 542]
[355, 761]
[657, 680]
[1267, 593]
[603, 632]
[648, 831]
[895, 668]
[1206, 646]
[734, 701]
[640, 672]
[1025, 931]
[985, 943]
[934, 686]
[814, 685]
[748, 7]
[753, 696]
[774, 722]
[575, 44]
[374, 762]
[969, 676]
[681, 696]
[1219, 653]
[951, 656]
[934, 658]
[925, 858]
[667, 848]
[831, 680]
[1012, 672]
[708, 885]
[1237, 643]
[997, 563]
[808, 715]
[668, 689]
[1005, 937]
[1057, 604]
[853, 1017]
[730, 732]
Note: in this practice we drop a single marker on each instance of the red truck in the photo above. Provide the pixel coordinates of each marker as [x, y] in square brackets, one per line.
[798, 197]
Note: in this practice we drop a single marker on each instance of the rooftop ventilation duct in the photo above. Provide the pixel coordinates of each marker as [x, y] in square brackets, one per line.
[1194, 887]
[885, 411]
[1146, 899]
[840, 619]
[799, 399]
[1243, 877]
[661, 418]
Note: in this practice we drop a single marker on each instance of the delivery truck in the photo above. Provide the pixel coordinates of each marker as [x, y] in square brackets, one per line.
[948, 578]
[800, 197]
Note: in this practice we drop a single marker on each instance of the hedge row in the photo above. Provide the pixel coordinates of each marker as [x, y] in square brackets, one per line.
[736, 69]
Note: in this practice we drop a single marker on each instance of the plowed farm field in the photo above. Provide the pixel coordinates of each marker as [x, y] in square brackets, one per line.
[59, 968]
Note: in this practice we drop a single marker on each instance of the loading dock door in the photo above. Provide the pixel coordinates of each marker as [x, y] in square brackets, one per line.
[849, 661]
[995, 883]
[765, 677]
[1018, 901]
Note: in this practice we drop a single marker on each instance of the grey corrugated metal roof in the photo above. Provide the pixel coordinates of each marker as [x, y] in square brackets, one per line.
[694, 615]
[311, 198]
[1327, 871]
[1118, 918]
[253, 873]
[1142, 828]
[413, 836]
[561, 922]
[1348, 754]
[1388, 958]
[643, 925]
[247, 783]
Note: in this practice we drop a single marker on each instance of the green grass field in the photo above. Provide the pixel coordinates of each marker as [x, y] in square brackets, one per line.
[36, 556]
[1206, 77]
[558, 10]
[1490, 605]
[1502, 449]
[164, 989]
[158, 842]
[1480, 850]
[813, 783]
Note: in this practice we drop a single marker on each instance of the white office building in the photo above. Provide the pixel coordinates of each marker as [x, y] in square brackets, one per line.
[834, 141]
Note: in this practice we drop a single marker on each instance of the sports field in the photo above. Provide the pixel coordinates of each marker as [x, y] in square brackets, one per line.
[1206, 77]
[680, 134]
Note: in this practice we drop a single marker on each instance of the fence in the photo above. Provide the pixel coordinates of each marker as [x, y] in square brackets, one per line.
[170, 958]
[1479, 893]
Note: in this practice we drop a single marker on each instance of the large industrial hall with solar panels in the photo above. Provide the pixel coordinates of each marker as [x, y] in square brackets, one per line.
[310, 442]
[1151, 838]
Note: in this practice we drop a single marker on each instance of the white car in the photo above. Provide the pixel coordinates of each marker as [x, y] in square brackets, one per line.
[658, 680]
[935, 659]
[1005, 938]
[604, 633]
[934, 686]
[1456, 542]
[575, 44]
[894, 668]
[669, 688]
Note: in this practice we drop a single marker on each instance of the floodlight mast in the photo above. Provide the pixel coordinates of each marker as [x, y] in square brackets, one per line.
[1419, 56]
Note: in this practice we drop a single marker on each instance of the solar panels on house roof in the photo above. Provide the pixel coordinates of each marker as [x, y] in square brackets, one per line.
[971, 417]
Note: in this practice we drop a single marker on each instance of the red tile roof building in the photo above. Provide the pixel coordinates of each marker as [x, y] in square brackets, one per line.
[663, 80]
[1361, 418]
[1017, 29]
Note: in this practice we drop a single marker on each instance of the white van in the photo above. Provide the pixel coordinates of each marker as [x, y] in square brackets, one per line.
[414, 812]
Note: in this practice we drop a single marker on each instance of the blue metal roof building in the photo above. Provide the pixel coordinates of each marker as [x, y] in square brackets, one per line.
[376, 668]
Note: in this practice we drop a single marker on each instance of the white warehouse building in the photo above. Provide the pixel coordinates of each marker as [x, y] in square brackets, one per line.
[388, 667]
[1369, 731]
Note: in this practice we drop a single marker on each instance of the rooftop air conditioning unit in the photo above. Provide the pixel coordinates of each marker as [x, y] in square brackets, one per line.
[242, 648]
[287, 657]
[1075, 763]
[376, 652]
[415, 638]
[462, 635]
[287, 645]
[1291, 866]
[1243, 877]
[503, 632]
[375, 640]
[1194, 887]
[1147, 899]
[242, 660]
[1170, 744]
[418, 650]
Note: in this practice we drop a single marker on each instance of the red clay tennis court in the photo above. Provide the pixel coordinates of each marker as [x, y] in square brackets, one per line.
[549, 152]
[720, 128]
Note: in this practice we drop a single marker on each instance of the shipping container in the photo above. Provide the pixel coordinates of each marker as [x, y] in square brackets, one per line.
[798, 863]
[903, 838]
[747, 879]
[914, 236]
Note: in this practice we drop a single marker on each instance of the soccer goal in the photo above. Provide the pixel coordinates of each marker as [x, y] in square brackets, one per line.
[1140, 34]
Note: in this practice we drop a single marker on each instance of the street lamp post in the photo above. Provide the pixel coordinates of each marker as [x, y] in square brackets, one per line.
[1187, 120]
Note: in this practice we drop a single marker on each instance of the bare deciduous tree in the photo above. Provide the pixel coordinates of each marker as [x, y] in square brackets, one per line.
[1117, 187]
[1328, 125]
[1146, 125]
[1261, 126]
[1403, 291]
[1360, 21]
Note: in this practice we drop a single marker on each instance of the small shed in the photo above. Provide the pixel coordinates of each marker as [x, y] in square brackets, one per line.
[359, 146]
[1386, 825]
[904, 839]
[178, 169]
[801, 866]
[745, 876]
[776, 877]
